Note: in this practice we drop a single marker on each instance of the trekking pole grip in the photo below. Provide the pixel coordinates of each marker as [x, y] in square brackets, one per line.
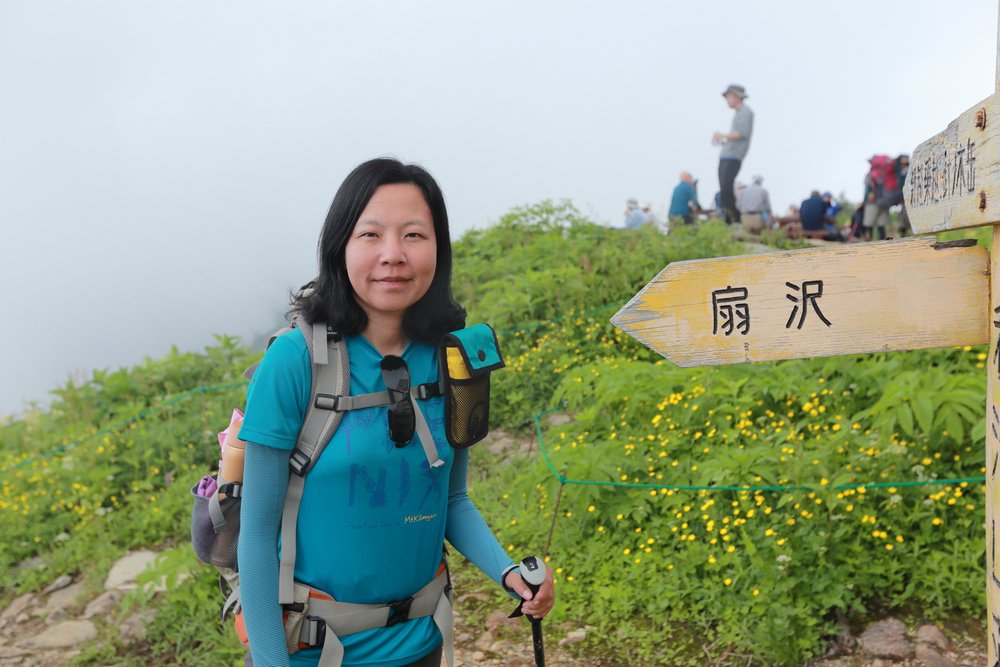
[532, 571]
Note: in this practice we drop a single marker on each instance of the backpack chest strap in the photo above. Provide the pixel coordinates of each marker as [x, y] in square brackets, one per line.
[375, 399]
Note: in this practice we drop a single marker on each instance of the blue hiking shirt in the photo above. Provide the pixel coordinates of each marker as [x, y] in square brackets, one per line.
[811, 212]
[373, 517]
[681, 200]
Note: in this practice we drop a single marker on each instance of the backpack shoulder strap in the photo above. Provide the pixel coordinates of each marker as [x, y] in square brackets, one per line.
[248, 373]
[329, 397]
[331, 377]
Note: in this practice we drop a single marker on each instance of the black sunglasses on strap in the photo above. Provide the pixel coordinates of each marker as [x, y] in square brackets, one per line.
[402, 420]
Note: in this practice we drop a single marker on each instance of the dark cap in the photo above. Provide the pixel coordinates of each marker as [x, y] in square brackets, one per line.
[737, 90]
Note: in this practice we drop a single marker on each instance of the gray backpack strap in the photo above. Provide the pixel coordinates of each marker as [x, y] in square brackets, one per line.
[289, 519]
[331, 377]
[445, 621]
[424, 431]
[215, 513]
[371, 400]
[318, 333]
[248, 373]
[232, 602]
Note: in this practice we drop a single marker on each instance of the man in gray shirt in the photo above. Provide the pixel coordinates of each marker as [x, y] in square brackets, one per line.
[734, 148]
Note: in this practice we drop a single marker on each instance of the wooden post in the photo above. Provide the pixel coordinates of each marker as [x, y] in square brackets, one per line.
[993, 437]
[992, 461]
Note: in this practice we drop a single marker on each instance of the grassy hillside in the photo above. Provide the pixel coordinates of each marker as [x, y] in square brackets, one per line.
[746, 508]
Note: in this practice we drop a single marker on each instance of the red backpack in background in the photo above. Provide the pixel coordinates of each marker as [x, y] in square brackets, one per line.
[882, 174]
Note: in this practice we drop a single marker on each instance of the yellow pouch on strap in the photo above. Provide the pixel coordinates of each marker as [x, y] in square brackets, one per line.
[468, 356]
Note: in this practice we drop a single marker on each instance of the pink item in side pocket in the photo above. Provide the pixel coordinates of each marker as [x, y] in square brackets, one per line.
[234, 424]
[207, 486]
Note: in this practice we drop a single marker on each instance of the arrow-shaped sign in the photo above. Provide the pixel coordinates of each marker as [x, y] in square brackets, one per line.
[891, 295]
[954, 178]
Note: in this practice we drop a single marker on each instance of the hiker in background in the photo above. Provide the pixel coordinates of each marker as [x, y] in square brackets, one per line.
[647, 210]
[735, 144]
[755, 207]
[855, 231]
[832, 209]
[813, 215]
[634, 217]
[830, 218]
[684, 200]
[374, 514]
[881, 190]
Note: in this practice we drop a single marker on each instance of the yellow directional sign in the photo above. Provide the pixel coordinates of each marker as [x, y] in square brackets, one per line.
[891, 295]
[954, 178]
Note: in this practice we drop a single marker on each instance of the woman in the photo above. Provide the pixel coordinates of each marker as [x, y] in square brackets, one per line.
[374, 515]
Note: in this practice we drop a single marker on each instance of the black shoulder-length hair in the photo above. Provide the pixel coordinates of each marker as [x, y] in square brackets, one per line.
[330, 298]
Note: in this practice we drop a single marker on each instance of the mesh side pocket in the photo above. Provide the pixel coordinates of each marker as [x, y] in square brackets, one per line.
[467, 410]
[218, 549]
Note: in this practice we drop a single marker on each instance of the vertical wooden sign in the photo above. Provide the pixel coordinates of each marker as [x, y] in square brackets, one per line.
[993, 439]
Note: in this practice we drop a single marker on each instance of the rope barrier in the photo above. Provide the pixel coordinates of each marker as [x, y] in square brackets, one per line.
[713, 487]
[563, 480]
[232, 385]
[566, 481]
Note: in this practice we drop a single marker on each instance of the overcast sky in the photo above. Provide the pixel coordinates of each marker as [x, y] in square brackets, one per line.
[165, 167]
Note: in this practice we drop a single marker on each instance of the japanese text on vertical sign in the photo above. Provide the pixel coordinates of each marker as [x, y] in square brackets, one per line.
[945, 174]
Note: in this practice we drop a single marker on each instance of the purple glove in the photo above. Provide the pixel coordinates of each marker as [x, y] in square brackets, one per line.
[207, 486]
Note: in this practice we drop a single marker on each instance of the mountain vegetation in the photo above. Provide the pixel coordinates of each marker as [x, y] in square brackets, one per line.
[748, 510]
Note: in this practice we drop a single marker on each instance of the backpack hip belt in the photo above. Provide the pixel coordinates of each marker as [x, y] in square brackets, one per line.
[324, 620]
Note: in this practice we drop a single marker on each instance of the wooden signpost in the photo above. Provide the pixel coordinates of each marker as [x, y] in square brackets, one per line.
[890, 295]
[954, 178]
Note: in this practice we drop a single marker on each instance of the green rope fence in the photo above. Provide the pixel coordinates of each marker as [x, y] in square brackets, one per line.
[183, 396]
[566, 481]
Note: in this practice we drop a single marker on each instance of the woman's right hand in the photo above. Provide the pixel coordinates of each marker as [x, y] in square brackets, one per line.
[537, 604]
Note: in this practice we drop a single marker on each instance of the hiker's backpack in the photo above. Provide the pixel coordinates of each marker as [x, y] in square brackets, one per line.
[881, 175]
[313, 617]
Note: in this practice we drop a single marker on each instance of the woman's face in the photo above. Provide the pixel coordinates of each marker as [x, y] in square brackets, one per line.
[391, 255]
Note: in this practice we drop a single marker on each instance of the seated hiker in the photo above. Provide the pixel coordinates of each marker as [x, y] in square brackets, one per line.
[634, 217]
[684, 200]
[814, 224]
[755, 207]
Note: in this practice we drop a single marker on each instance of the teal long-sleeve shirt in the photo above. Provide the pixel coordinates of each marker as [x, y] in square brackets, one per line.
[373, 519]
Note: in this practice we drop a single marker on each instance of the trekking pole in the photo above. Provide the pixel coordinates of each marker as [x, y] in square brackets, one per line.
[533, 573]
